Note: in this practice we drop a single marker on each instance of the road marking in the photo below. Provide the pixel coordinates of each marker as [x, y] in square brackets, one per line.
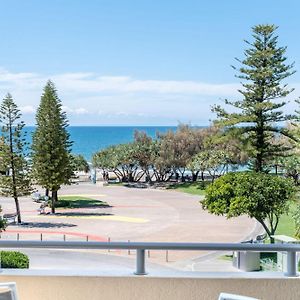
[108, 218]
[67, 233]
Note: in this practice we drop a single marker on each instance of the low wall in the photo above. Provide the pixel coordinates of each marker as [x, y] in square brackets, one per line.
[96, 287]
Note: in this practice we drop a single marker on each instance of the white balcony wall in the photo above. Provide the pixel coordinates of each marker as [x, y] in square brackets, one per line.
[37, 285]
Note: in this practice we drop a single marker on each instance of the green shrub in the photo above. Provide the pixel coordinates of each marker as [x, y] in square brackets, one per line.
[261, 196]
[3, 223]
[14, 260]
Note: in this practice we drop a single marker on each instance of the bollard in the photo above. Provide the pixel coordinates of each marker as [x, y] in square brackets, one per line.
[128, 249]
[87, 238]
[291, 264]
[41, 237]
[64, 237]
[167, 256]
[140, 262]
[108, 240]
[18, 236]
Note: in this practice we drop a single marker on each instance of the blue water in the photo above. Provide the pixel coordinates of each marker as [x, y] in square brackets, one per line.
[90, 139]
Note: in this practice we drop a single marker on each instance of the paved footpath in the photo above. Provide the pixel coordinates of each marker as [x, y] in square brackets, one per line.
[135, 215]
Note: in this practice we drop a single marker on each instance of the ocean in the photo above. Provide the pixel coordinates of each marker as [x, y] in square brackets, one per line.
[90, 139]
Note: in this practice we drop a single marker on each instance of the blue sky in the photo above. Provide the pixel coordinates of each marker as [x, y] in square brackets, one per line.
[134, 62]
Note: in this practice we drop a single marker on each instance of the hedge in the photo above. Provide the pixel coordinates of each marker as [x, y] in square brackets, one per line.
[14, 260]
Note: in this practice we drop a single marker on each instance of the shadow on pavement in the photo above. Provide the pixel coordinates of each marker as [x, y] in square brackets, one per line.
[82, 214]
[45, 225]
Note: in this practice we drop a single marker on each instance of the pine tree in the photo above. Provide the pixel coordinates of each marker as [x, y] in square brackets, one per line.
[16, 182]
[258, 117]
[51, 158]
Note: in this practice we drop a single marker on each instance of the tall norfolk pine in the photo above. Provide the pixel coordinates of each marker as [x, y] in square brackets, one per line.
[16, 182]
[52, 165]
[262, 72]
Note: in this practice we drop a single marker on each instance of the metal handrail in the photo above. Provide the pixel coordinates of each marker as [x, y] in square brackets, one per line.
[140, 247]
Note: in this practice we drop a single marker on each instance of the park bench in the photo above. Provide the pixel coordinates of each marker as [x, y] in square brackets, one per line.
[36, 197]
[261, 238]
[10, 218]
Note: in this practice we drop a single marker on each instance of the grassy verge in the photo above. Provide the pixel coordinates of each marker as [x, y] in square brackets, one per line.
[114, 183]
[286, 224]
[194, 188]
[79, 202]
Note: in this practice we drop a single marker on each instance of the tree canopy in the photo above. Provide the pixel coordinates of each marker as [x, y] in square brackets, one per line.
[16, 182]
[80, 163]
[261, 196]
[51, 145]
[258, 116]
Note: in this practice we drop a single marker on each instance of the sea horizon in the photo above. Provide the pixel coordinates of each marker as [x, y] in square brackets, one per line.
[89, 139]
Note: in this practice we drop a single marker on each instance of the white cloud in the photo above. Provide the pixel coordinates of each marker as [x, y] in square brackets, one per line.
[28, 109]
[67, 109]
[89, 98]
[81, 111]
[89, 83]
[76, 111]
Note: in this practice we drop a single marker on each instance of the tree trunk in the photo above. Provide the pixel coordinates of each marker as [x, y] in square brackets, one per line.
[195, 176]
[18, 210]
[130, 177]
[259, 159]
[47, 192]
[202, 175]
[269, 232]
[13, 171]
[53, 201]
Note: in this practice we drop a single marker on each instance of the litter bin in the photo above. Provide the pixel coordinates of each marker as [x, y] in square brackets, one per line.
[282, 256]
[246, 261]
[249, 261]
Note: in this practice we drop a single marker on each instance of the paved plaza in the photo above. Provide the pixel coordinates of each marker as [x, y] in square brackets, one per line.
[133, 215]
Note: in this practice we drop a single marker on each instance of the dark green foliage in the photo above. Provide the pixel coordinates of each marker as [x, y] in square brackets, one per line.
[119, 159]
[16, 182]
[296, 217]
[80, 163]
[291, 166]
[153, 158]
[14, 260]
[144, 153]
[258, 195]
[257, 116]
[3, 223]
[51, 146]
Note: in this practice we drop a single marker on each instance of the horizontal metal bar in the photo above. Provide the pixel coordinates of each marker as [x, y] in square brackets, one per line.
[151, 246]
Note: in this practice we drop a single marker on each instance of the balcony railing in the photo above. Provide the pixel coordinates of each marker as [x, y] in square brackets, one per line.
[141, 247]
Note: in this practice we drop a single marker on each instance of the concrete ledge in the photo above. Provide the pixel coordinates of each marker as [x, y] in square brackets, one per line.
[72, 285]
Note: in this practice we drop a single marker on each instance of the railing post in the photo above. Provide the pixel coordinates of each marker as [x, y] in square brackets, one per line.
[292, 264]
[140, 262]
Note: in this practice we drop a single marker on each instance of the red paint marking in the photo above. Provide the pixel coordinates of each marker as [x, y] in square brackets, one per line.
[91, 236]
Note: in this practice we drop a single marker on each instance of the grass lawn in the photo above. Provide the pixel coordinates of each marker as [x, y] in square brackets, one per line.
[78, 202]
[112, 183]
[286, 224]
[194, 188]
